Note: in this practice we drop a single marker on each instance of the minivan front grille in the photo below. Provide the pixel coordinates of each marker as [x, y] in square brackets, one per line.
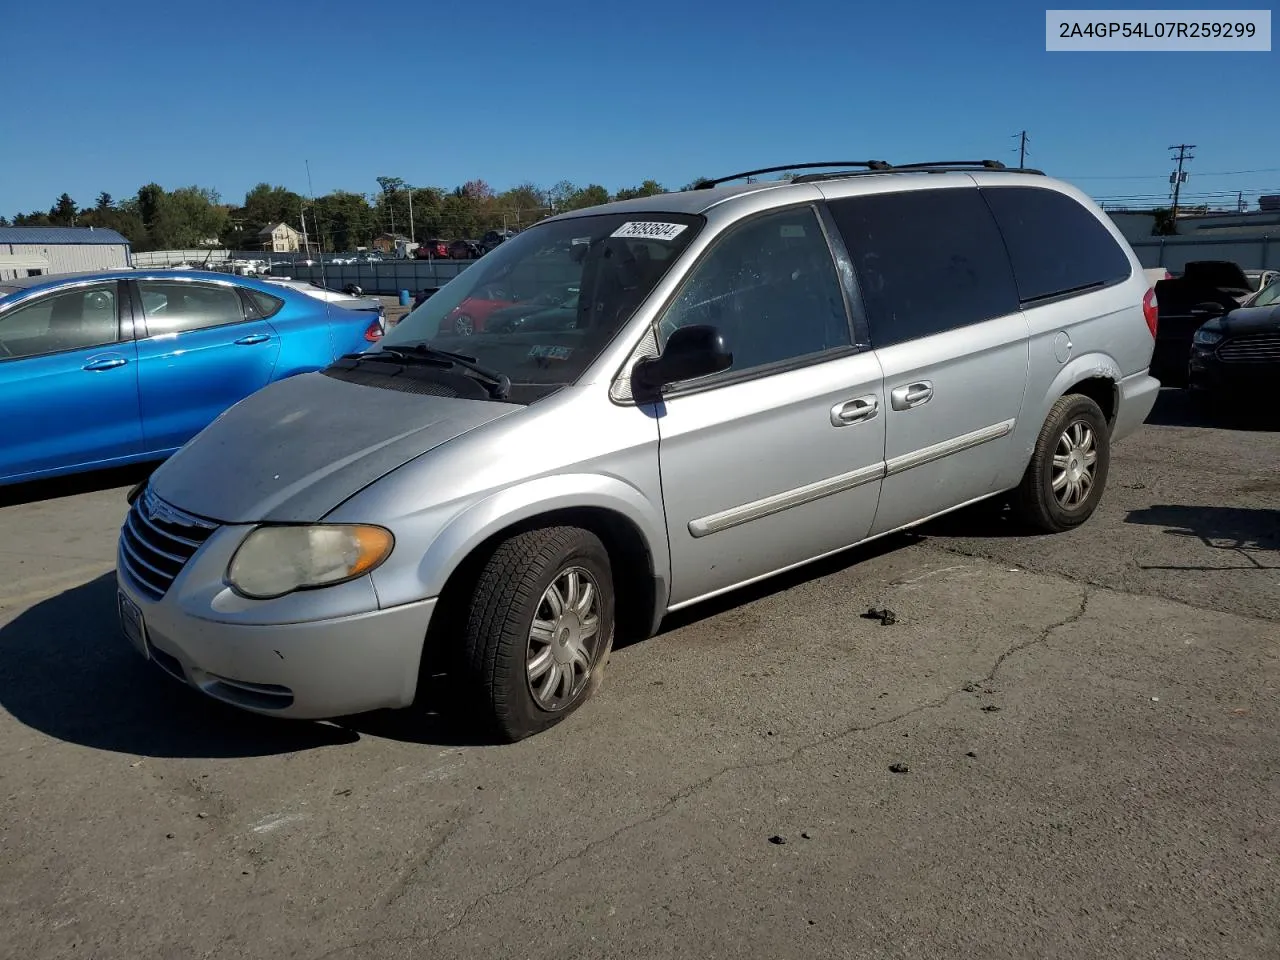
[156, 542]
[1251, 348]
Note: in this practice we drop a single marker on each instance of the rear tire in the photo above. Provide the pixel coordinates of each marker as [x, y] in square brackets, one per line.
[1068, 470]
[538, 629]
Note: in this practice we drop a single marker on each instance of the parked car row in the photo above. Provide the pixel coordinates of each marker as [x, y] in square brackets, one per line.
[461, 249]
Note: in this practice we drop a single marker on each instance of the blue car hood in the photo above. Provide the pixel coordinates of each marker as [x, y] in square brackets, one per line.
[297, 449]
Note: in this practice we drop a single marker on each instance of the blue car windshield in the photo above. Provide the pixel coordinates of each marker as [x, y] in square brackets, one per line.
[542, 306]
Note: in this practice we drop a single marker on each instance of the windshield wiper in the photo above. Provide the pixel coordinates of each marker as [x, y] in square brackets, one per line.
[499, 383]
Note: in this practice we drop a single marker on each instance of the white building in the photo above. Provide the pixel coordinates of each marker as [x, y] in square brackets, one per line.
[279, 238]
[35, 251]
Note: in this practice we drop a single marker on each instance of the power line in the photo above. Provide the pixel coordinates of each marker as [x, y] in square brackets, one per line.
[1158, 176]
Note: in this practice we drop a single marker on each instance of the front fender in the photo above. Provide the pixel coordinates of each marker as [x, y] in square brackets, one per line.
[471, 526]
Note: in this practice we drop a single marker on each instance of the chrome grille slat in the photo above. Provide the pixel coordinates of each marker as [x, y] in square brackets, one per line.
[1251, 348]
[157, 540]
[171, 536]
[129, 522]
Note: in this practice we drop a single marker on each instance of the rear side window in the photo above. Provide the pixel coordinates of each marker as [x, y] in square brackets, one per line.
[1057, 245]
[259, 305]
[928, 261]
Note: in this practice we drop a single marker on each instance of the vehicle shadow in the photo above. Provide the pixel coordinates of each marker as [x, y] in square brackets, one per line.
[66, 671]
[1179, 408]
[1251, 533]
[780, 583]
[54, 488]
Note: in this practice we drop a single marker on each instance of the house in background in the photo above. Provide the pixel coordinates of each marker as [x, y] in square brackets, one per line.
[279, 238]
[35, 251]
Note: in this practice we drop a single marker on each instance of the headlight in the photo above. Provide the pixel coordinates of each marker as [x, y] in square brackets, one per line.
[1206, 338]
[274, 561]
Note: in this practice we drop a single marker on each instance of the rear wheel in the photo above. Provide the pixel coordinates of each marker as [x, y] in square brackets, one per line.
[1068, 470]
[539, 628]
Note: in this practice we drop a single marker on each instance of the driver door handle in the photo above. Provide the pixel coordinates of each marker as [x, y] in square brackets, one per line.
[911, 395]
[859, 410]
[253, 338]
[105, 363]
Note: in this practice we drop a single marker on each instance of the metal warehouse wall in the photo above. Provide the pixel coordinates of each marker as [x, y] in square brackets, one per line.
[69, 258]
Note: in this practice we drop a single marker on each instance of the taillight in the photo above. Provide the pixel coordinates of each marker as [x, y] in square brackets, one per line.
[1150, 310]
[374, 333]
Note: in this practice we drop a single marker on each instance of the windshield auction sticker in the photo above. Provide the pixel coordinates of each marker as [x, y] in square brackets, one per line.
[649, 230]
[1158, 30]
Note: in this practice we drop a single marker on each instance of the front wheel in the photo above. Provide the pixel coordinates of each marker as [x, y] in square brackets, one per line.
[1068, 470]
[539, 628]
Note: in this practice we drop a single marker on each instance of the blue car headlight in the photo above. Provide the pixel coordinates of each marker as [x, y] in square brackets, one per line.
[1206, 338]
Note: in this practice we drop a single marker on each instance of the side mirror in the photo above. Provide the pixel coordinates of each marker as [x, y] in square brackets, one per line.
[1208, 310]
[696, 351]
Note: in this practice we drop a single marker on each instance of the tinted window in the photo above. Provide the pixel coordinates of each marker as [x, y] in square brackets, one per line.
[1057, 246]
[770, 286]
[261, 305]
[927, 261]
[175, 306]
[74, 320]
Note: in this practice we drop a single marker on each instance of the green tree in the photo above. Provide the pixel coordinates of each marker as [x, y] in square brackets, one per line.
[345, 220]
[104, 201]
[649, 188]
[589, 196]
[63, 212]
[1164, 225]
[521, 205]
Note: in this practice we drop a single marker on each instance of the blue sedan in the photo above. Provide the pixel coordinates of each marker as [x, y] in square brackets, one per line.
[104, 369]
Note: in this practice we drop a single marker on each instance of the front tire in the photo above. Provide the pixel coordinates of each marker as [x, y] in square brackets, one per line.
[1068, 470]
[539, 628]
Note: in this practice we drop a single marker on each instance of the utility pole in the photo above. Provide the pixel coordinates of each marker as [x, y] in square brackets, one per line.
[1022, 148]
[411, 236]
[1178, 178]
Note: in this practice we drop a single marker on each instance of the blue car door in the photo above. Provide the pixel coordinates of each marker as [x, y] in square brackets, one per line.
[68, 381]
[198, 355]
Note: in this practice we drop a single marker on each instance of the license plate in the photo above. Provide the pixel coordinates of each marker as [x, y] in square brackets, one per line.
[131, 622]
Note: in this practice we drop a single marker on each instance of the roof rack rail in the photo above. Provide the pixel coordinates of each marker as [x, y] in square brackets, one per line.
[867, 164]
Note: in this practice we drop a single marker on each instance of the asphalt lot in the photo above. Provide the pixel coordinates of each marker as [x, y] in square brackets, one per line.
[1090, 725]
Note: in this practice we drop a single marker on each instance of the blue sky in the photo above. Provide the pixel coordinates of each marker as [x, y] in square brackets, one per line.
[111, 96]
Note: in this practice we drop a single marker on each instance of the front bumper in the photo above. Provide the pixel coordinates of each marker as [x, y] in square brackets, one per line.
[310, 670]
[1205, 372]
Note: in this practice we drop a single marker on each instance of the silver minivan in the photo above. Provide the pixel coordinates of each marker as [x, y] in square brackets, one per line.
[656, 401]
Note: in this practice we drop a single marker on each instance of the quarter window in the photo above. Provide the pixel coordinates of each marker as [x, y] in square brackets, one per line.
[1056, 244]
[260, 306]
[175, 306]
[770, 287]
[927, 261]
[73, 320]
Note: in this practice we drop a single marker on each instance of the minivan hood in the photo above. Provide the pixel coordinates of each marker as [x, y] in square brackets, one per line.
[295, 450]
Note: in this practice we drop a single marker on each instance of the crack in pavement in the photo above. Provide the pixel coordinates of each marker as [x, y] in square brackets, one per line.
[671, 802]
[400, 886]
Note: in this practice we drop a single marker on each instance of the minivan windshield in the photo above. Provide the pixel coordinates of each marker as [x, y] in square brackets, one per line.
[542, 306]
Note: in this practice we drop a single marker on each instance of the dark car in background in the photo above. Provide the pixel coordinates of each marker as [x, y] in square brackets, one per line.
[465, 250]
[1204, 289]
[494, 238]
[1237, 352]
